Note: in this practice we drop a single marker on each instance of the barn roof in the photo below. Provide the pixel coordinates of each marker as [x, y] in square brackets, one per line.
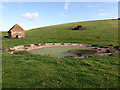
[16, 25]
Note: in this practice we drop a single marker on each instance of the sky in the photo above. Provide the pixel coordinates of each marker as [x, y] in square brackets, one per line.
[31, 15]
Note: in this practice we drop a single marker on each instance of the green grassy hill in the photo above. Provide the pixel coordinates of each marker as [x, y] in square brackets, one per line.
[36, 71]
[97, 32]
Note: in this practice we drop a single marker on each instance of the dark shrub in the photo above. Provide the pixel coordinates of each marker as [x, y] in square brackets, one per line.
[21, 52]
[42, 43]
[27, 45]
[94, 45]
[98, 37]
[110, 45]
[36, 44]
[9, 50]
[62, 43]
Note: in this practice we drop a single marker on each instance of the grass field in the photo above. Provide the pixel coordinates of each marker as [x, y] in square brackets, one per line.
[97, 32]
[36, 71]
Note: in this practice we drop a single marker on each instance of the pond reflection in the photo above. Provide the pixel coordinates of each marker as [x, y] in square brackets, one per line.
[78, 53]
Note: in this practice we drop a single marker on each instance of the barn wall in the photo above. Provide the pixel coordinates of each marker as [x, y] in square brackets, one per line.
[14, 34]
[9, 35]
[16, 31]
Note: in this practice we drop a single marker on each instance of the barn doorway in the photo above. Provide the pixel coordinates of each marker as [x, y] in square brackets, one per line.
[17, 36]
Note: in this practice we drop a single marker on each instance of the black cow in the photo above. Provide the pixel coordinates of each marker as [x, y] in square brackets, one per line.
[79, 27]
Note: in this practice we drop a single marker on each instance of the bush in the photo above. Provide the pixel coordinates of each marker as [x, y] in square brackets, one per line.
[53, 44]
[42, 43]
[94, 45]
[36, 44]
[98, 37]
[27, 45]
[110, 45]
[62, 43]
[9, 50]
[21, 52]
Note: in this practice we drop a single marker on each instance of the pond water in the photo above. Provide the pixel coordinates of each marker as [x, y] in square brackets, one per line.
[64, 51]
[78, 53]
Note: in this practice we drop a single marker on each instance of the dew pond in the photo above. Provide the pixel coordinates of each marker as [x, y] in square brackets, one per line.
[64, 51]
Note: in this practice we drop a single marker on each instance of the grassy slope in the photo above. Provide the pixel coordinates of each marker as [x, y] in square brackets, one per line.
[97, 32]
[42, 71]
